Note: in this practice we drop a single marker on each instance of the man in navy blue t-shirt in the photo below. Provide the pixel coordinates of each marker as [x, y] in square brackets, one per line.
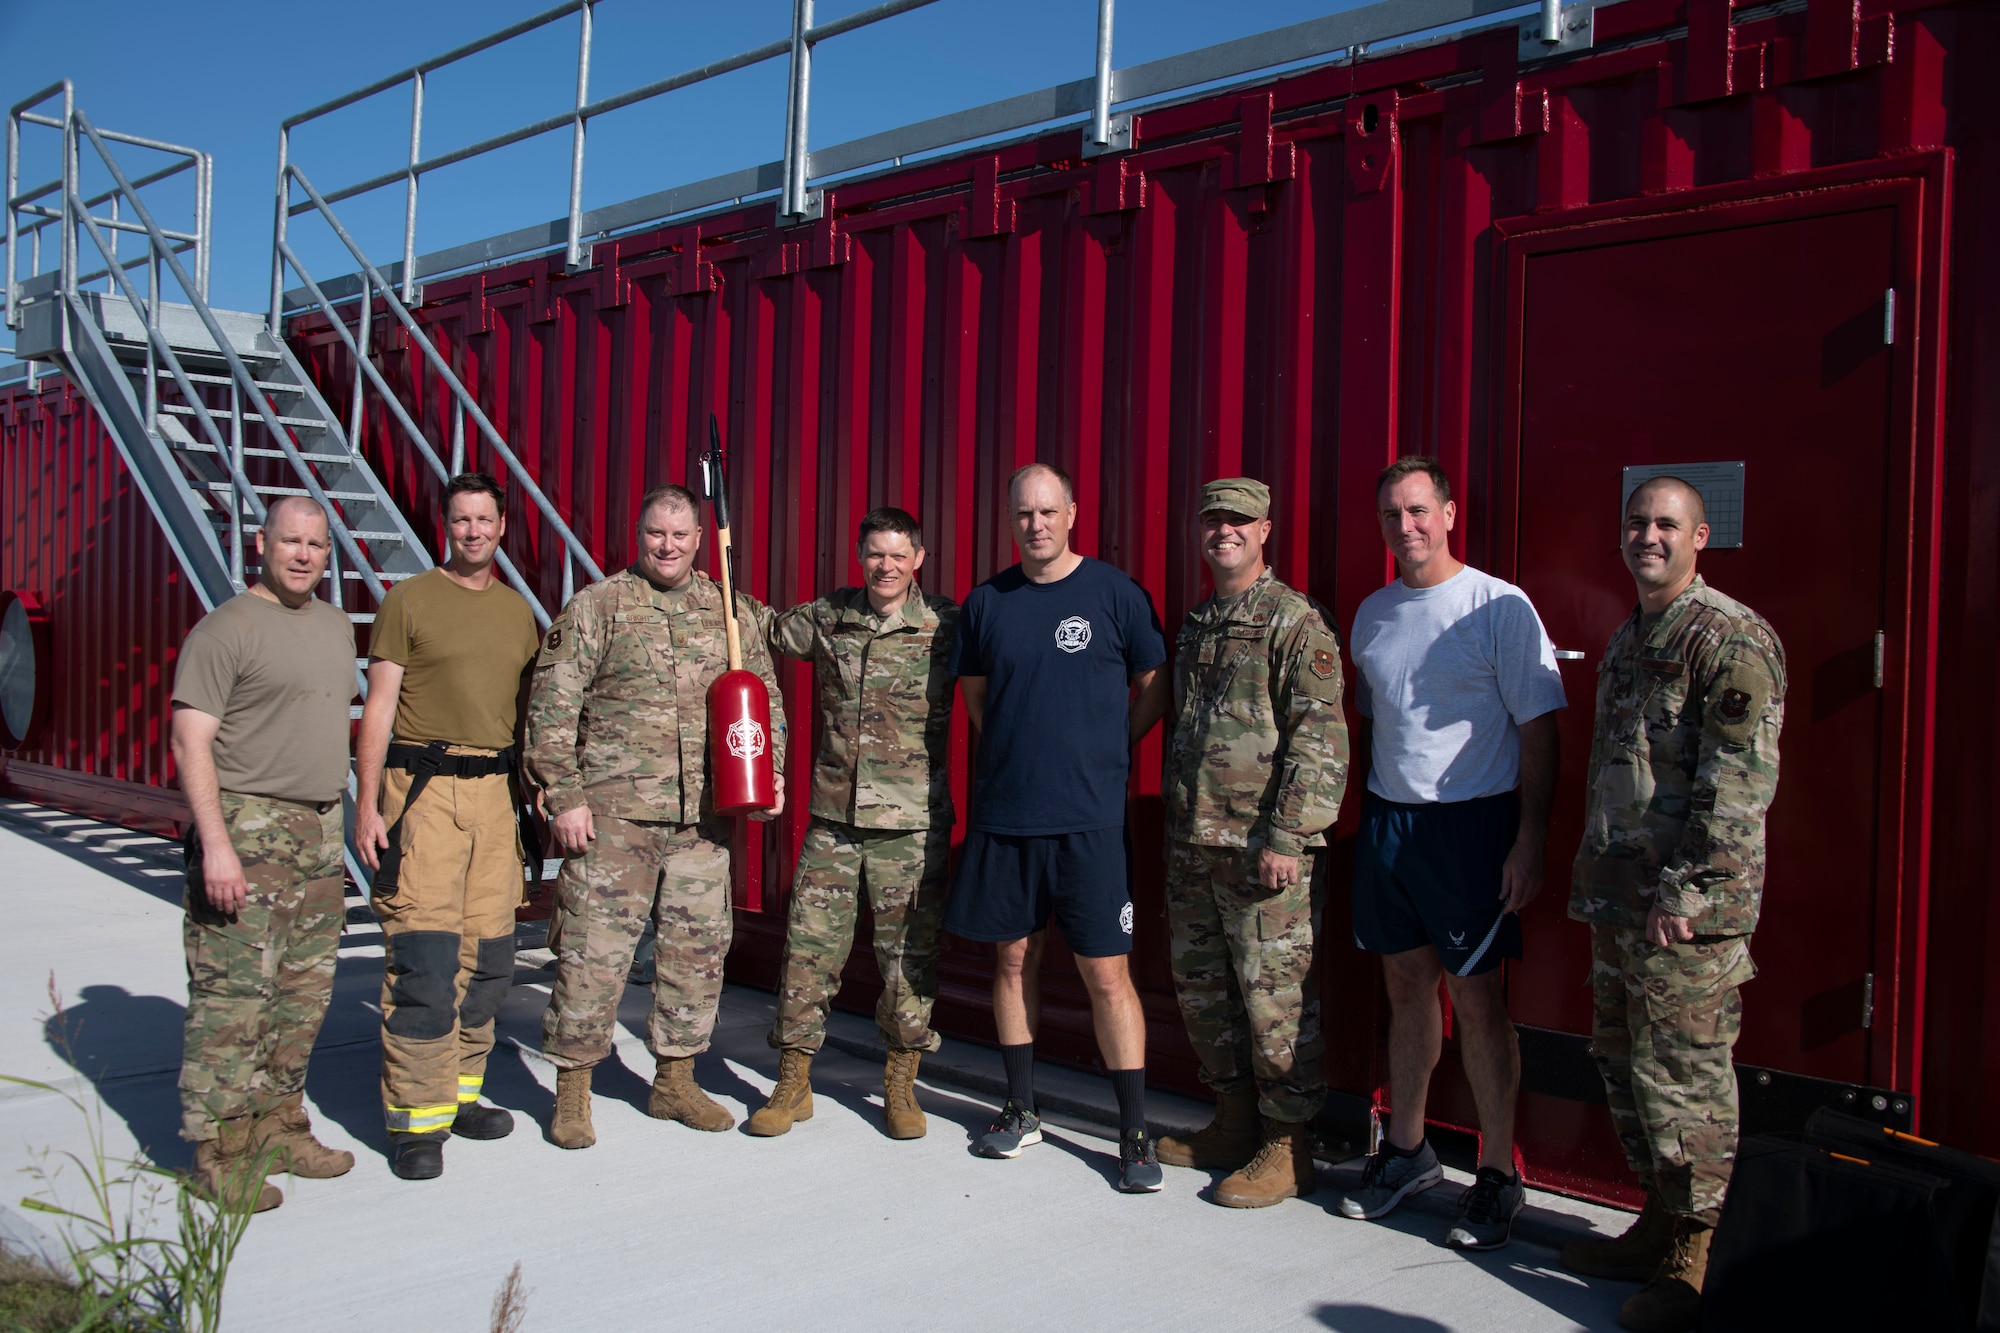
[1059, 658]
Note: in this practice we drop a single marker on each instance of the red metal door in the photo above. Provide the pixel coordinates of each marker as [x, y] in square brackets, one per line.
[1756, 335]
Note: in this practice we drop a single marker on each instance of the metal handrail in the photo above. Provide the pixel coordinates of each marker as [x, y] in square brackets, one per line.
[401, 415]
[464, 400]
[245, 381]
[793, 177]
[805, 35]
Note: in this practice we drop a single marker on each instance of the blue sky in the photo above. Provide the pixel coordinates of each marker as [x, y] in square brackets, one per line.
[220, 76]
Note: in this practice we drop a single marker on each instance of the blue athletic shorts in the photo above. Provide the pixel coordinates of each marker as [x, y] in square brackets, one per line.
[1008, 886]
[1430, 874]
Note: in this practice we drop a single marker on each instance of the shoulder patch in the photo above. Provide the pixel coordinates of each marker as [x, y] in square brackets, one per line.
[559, 644]
[1734, 706]
[1323, 664]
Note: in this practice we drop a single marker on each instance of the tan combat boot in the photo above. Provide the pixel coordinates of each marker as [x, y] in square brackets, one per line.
[1230, 1140]
[229, 1172]
[675, 1097]
[572, 1128]
[791, 1100]
[899, 1096]
[285, 1133]
[1282, 1169]
[1671, 1302]
[1632, 1257]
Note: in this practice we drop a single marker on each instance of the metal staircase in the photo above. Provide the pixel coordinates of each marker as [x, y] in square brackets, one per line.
[211, 412]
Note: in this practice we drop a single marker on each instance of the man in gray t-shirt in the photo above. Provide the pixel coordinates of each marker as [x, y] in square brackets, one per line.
[260, 741]
[1460, 682]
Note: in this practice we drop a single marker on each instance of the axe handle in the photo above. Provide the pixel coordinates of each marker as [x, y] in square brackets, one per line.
[729, 599]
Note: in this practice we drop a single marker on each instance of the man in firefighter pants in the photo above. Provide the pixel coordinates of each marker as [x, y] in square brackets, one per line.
[434, 819]
[618, 744]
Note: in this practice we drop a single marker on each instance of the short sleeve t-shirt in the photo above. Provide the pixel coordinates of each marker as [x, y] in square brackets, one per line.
[280, 681]
[1058, 658]
[462, 651]
[1447, 675]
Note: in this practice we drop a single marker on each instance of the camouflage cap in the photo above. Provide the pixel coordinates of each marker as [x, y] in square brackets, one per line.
[1239, 495]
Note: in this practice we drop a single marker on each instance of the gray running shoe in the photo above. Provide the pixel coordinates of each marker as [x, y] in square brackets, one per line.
[1138, 1166]
[1387, 1180]
[1486, 1212]
[1017, 1128]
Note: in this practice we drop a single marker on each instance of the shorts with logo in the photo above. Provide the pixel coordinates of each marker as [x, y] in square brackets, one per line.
[1430, 874]
[1009, 885]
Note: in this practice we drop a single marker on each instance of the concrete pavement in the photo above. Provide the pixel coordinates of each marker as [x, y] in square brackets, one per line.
[832, 1226]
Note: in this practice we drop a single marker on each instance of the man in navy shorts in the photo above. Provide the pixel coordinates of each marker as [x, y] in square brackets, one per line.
[1460, 682]
[1059, 658]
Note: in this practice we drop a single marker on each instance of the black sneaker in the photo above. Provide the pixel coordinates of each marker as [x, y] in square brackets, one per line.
[482, 1122]
[1017, 1128]
[1138, 1165]
[419, 1159]
[1486, 1212]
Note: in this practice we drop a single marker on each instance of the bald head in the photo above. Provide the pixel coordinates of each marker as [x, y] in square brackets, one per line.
[1657, 487]
[295, 508]
[1666, 528]
[293, 547]
[1033, 470]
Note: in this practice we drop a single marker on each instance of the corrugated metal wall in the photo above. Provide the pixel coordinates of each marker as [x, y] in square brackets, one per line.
[1298, 280]
[80, 537]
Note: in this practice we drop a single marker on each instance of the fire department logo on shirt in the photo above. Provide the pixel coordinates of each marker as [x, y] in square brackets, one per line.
[1073, 635]
[746, 738]
[1125, 919]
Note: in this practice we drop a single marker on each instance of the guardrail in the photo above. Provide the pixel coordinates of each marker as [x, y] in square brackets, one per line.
[792, 177]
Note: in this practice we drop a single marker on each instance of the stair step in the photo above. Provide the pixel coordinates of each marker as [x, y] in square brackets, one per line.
[269, 386]
[253, 571]
[249, 528]
[226, 487]
[250, 415]
[199, 448]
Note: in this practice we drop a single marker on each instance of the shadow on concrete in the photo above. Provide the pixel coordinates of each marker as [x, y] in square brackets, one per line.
[135, 869]
[1529, 1269]
[129, 1047]
[1374, 1319]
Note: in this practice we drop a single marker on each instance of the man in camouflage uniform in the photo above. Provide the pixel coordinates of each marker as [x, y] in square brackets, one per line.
[881, 817]
[1683, 766]
[260, 740]
[1255, 771]
[618, 743]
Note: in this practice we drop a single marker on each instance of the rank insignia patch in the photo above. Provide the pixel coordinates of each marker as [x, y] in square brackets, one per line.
[1323, 664]
[1734, 706]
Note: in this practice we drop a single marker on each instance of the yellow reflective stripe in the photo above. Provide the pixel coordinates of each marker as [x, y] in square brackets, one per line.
[468, 1087]
[420, 1119]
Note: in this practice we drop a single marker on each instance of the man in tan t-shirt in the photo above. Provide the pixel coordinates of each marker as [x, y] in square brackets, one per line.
[260, 739]
[434, 818]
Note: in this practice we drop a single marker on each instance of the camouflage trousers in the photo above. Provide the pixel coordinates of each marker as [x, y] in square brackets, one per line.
[1242, 960]
[259, 979]
[1665, 1022]
[903, 873]
[678, 874]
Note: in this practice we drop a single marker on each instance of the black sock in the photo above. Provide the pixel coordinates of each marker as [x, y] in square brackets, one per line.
[1394, 1151]
[1020, 1064]
[1130, 1085]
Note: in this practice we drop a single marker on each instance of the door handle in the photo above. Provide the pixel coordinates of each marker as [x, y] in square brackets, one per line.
[1569, 655]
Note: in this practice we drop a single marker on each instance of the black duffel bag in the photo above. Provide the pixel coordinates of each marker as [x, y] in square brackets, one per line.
[1854, 1226]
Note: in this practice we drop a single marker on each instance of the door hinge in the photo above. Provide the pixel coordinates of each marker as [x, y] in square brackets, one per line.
[1881, 649]
[1868, 1001]
[1889, 318]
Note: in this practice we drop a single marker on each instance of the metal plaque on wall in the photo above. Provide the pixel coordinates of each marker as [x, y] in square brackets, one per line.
[1721, 487]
